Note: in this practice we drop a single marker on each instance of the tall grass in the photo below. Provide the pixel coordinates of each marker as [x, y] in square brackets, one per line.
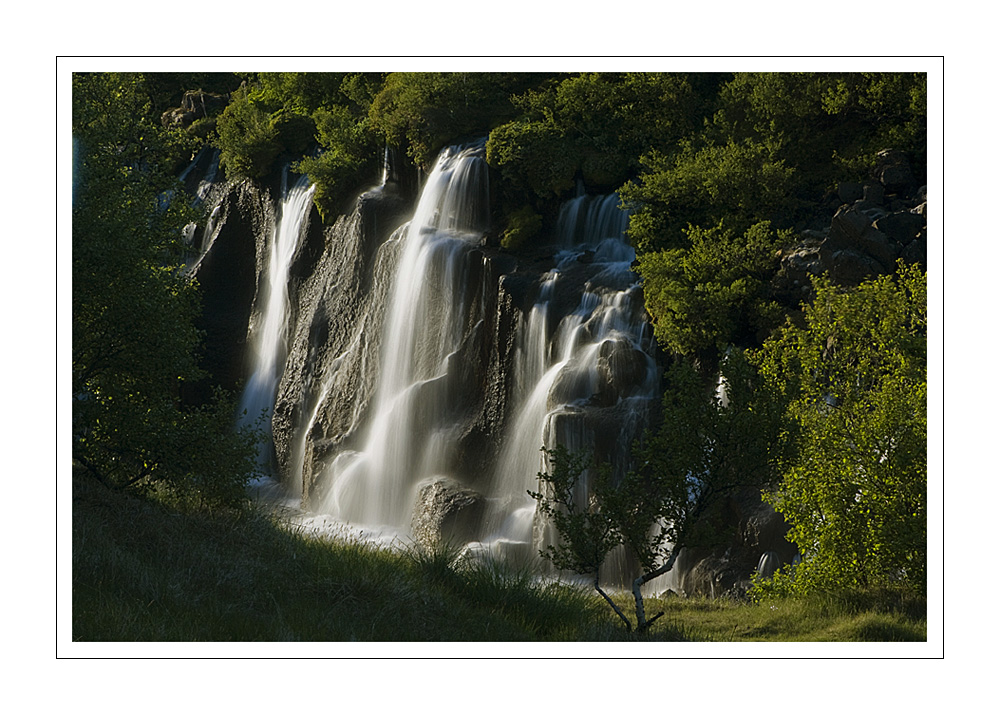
[147, 571]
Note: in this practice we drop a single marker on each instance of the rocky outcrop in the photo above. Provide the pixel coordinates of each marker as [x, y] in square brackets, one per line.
[877, 224]
[726, 569]
[195, 104]
[226, 272]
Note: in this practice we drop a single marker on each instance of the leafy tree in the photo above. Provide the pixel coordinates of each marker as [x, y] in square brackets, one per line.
[592, 125]
[248, 141]
[423, 111]
[856, 378]
[713, 292]
[709, 444]
[739, 182]
[347, 156]
[134, 342]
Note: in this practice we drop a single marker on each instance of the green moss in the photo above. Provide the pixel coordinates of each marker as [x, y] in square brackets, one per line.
[522, 225]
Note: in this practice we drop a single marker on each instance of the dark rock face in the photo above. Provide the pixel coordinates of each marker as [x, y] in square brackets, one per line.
[894, 172]
[865, 237]
[227, 273]
[727, 568]
[446, 512]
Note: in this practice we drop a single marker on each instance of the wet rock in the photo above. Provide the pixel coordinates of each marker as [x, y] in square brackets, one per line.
[446, 512]
[621, 369]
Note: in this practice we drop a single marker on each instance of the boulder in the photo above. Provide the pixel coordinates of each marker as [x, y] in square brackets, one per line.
[195, 104]
[726, 568]
[892, 169]
[621, 368]
[901, 227]
[846, 229]
[853, 231]
[849, 267]
[446, 512]
[849, 191]
[874, 193]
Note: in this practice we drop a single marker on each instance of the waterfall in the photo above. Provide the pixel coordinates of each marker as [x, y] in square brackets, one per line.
[596, 359]
[409, 435]
[270, 326]
[424, 384]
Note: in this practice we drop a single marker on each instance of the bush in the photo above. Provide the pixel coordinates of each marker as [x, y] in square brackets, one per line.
[713, 293]
[248, 140]
[522, 225]
[856, 375]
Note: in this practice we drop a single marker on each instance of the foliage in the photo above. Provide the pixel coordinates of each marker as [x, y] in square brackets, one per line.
[423, 111]
[739, 182]
[247, 139]
[707, 447]
[522, 225]
[856, 378]
[593, 125]
[347, 155]
[134, 341]
[293, 113]
[713, 292]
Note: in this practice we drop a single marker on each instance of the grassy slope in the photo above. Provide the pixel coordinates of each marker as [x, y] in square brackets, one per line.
[143, 572]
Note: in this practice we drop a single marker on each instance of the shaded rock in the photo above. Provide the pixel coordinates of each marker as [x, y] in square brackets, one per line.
[874, 193]
[446, 512]
[846, 229]
[227, 278]
[849, 267]
[195, 105]
[849, 191]
[916, 252]
[893, 171]
[727, 567]
[901, 227]
[621, 368]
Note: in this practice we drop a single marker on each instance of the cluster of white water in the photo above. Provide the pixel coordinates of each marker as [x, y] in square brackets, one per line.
[564, 365]
[410, 435]
[269, 338]
[558, 366]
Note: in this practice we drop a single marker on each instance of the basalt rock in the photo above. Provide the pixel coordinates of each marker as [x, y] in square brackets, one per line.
[446, 512]
[227, 278]
[728, 567]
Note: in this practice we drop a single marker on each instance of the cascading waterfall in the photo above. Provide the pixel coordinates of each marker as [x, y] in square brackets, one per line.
[416, 368]
[409, 434]
[561, 374]
[269, 341]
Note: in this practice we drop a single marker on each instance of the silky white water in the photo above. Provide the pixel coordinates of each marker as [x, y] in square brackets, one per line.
[409, 435]
[269, 339]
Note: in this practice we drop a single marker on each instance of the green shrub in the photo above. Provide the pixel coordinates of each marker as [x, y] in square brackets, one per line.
[714, 292]
[522, 225]
[247, 139]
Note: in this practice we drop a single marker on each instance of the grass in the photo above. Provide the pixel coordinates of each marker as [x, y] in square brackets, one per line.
[143, 571]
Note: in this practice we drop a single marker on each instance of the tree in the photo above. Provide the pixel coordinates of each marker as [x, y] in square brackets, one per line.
[709, 444]
[714, 291]
[134, 341]
[856, 378]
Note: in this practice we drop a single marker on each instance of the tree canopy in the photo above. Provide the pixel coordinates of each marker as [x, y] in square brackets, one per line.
[856, 379]
[134, 340]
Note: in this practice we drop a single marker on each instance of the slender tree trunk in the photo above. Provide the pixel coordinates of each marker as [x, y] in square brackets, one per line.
[640, 609]
[628, 625]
